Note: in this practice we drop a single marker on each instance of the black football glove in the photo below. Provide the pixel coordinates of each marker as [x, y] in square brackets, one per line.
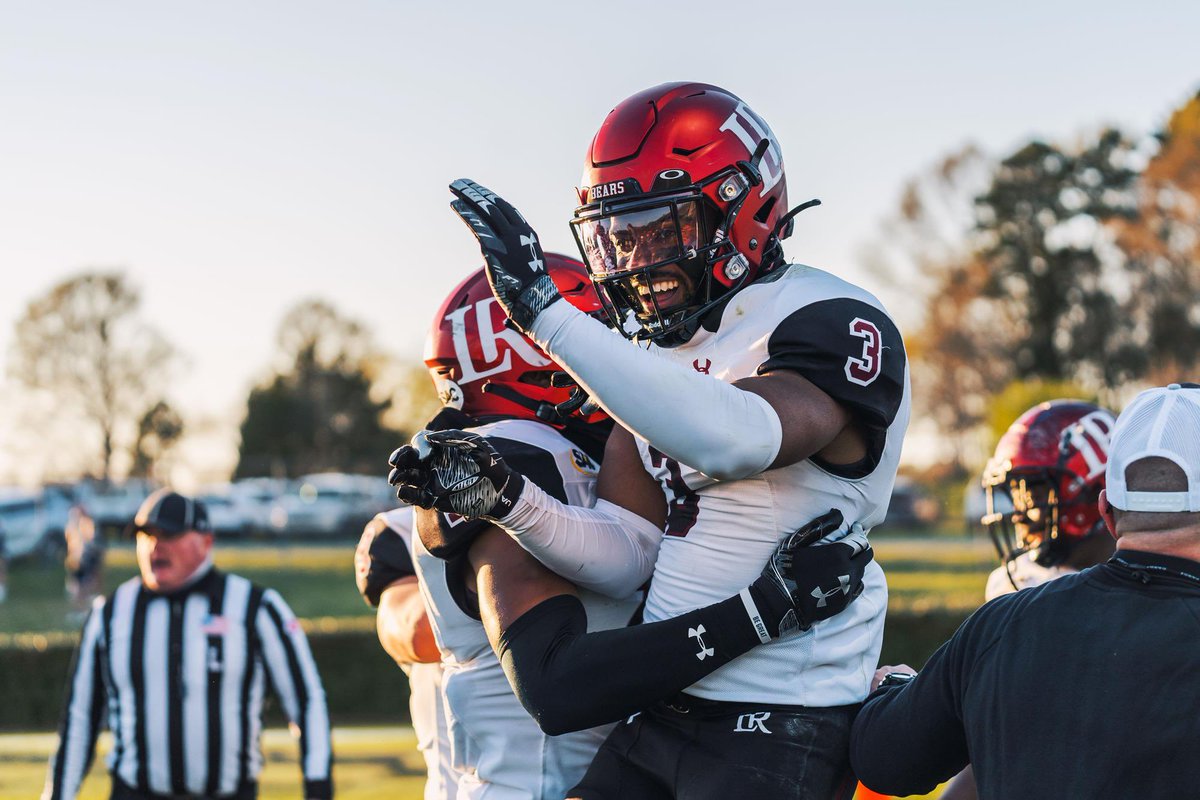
[516, 265]
[455, 472]
[380, 560]
[808, 579]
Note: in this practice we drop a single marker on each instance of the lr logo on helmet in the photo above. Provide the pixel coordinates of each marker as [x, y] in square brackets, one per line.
[771, 165]
[490, 334]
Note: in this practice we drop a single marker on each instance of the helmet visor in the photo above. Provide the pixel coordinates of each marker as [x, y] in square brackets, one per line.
[639, 239]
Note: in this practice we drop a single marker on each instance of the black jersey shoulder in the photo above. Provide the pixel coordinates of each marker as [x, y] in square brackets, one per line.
[852, 351]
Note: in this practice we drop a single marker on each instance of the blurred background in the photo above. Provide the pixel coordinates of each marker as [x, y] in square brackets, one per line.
[224, 229]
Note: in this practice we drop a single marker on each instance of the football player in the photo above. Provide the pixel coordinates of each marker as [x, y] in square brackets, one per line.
[519, 412]
[756, 394]
[494, 381]
[387, 580]
[1042, 487]
[1049, 466]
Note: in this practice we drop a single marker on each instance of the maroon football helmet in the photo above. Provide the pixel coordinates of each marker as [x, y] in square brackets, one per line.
[683, 201]
[485, 368]
[1051, 465]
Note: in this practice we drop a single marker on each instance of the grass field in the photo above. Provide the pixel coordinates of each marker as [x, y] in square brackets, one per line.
[929, 573]
[372, 764]
[318, 581]
[924, 574]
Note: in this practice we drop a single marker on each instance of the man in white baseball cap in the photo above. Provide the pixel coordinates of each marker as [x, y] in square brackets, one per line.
[1103, 662]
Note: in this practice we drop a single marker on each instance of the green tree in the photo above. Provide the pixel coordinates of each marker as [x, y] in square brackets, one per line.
[414, 400]
[1044, 248]
[84, 345]
[317, 412]
[1162, 250]
[1020, 396]
[158, 431]
[924, 253]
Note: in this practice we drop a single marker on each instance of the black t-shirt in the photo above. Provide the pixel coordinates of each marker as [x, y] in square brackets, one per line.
[1084, 687]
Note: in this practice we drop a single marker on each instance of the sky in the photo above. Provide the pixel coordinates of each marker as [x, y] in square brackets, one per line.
[236, 158]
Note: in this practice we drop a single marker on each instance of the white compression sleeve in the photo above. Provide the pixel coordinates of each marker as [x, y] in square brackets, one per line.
[607, 549]
[714, 427]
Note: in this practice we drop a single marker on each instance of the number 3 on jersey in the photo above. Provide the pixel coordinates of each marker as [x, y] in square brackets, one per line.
[683, 506]
[864, 369]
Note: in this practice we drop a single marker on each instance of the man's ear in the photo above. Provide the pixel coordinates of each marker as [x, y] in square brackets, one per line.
[1106, 513]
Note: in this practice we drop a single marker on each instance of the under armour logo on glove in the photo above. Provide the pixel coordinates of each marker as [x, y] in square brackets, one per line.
[455, 472]
[536, 263]
[697, 633]
[822, 597]
[788, 596]
[516, 265]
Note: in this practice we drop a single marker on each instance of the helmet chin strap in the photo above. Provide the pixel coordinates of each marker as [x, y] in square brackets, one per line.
[554, 414]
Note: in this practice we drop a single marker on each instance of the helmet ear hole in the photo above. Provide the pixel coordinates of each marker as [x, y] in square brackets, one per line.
[764, 211]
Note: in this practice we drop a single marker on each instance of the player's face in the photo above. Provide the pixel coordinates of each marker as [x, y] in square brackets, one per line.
[167, 562]
[654, 239]
[1031, 510]
[666, 288]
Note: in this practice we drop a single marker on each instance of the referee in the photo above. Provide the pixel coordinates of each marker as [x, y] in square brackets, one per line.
[177, 662]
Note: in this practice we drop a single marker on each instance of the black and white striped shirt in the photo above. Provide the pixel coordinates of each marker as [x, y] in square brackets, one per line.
[181, 679]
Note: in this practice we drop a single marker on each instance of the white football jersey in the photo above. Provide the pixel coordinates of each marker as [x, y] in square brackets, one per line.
[1026, 573]
[495, 743]
[426, 704]
[719, 534]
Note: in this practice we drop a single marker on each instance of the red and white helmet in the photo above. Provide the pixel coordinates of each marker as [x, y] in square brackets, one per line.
[683, 195]
[485, 368]
[1050, 463]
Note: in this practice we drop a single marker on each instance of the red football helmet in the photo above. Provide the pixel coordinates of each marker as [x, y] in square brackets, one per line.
[1051, 464]
[485, 368]
[683, 201]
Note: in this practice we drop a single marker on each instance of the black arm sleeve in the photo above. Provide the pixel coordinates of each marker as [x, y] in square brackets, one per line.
[569, 680]
[853, 352]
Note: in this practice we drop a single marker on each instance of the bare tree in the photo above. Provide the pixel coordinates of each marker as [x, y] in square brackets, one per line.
[84, 344]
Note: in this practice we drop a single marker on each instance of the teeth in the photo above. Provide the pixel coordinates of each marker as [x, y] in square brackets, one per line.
[659, 286]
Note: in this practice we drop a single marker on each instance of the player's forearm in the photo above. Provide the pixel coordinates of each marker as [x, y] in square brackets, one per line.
[570, 680]
[714, 427]
[403, 626]
[606, 549]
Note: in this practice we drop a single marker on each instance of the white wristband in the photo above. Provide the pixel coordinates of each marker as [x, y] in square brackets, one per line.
[756, 619]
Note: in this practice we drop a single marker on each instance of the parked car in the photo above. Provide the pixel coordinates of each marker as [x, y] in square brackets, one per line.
[330, 504]
[33, 521]
[975, 504]
[911, 506]
[113, 505]
[256, 498]
[224, 512]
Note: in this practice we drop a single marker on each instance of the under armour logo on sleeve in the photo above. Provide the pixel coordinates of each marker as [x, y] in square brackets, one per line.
[697, 633]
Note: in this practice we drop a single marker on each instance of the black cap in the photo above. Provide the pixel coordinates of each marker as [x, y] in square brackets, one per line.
[167, 513]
